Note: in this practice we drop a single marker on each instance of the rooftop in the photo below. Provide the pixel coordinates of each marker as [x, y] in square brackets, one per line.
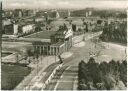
[6, 22]
[40, 43]
[58, 44]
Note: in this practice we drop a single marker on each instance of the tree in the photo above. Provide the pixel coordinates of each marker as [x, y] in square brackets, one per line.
[91, 60]
[79, 30]
[38, 28]
[99, 21]
[49, 21]
[104, 68]
[109, 81]
[123, 72]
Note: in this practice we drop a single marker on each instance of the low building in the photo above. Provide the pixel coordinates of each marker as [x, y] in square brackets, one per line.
[26, 28]
[63, 14]
[52, 14]
[18, 13]
[8, 13]
[9, 28]
[39, 19]
[27, 13]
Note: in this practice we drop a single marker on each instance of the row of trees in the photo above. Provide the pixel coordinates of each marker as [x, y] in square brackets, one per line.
[100, 13]
[115, 32]
[110, 13]
[103, 76]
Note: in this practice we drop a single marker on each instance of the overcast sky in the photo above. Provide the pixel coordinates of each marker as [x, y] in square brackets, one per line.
[64, 3]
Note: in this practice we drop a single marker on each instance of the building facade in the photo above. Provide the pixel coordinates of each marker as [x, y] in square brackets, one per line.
[26, 28]
[17, 13]
[8, 27]
[61, 41]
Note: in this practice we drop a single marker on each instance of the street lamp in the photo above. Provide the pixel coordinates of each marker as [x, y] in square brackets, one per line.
[55, 57]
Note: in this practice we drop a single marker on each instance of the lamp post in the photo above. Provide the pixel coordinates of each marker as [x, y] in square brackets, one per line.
[0, 36]
[55, 57]
[37, 61]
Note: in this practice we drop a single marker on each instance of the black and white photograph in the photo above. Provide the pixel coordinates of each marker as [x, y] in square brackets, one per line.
[63, 45]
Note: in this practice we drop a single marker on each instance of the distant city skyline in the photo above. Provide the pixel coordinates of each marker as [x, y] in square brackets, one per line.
[64, 4]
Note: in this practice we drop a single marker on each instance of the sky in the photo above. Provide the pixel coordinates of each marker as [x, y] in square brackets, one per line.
[64, 4]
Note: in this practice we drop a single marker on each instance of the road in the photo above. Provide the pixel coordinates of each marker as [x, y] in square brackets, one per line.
[66, 78]
[76, 56]
[69, 70]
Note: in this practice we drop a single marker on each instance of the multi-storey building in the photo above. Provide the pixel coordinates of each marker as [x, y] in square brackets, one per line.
[18, 13]
[9, 28]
